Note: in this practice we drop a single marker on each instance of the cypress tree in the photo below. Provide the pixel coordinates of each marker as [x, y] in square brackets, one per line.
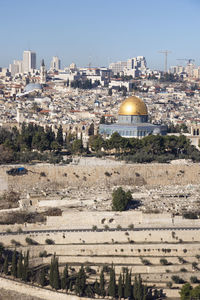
[123, 282]
[42, 277]
[102, 284]
[77, 286]
[59, 137]
[89, 291]
[20, 266]
[96, 287]
[112, 284]
[127, 288]
[145, 292]
[140, 288]
[80, 284]
[25, 267]
[130, 286]
[135, 288]
[71, 285]
[51, 275]
[91, 129]
[65, 279]
[120, 287]
[82, 277]
[14, 264]
[5, 265]
[56, 275]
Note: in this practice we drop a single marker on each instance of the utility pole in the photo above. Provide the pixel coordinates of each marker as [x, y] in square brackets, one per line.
[165, 52]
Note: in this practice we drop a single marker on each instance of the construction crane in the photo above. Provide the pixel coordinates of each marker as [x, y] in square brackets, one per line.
[165, 52]
[189, 60]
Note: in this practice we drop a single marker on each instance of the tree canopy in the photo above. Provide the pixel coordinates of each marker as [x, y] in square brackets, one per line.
[121, 199]
[150, 148]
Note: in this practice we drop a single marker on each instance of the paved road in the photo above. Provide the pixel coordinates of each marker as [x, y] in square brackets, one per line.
[98, 230]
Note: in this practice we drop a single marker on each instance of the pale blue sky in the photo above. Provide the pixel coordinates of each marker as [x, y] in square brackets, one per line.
[100, 31]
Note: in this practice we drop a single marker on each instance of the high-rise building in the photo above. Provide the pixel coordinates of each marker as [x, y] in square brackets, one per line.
[196, 73]
[55, 63]
[189, 69]
[29, 61]
[176, 69]
[16, 67]
[118, 66]
[136, 65]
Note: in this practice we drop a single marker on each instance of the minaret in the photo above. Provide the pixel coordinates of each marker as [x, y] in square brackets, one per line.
[20, 115]
[42, 72]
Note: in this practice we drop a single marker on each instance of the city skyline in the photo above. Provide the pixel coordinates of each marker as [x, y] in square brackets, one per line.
[87, 32]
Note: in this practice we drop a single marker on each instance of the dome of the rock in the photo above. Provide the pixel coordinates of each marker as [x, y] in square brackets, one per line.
[133, 106]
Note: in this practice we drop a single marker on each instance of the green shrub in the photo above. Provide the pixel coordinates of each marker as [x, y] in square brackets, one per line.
[106, 227]
[190, 215]
[94, 227]
[169, 284]
[49, 242]
[183, 270]
[146, 262]
[108, 174]
[194, 279]
[43, 254]
[181, 260]
[164, 262]
[43, 174]
[177, 279]
[15, 243]
[30, 241]
[19, 230]
[195, 265]
[131, 226]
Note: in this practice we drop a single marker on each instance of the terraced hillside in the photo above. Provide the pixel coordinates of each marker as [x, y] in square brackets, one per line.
[160, 255]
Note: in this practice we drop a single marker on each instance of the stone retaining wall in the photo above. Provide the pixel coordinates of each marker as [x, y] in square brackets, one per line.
[36, 291]
[63, 176]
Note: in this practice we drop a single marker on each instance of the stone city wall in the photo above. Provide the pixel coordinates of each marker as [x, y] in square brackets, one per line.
[32, 291]
[64, 176]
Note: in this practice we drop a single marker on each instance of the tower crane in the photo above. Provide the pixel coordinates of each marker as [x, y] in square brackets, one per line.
[165, 52]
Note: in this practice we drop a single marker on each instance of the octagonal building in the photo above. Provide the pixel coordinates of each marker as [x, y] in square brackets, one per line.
[133, 121]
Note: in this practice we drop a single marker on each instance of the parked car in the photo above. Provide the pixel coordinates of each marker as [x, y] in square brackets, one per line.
[17, 171]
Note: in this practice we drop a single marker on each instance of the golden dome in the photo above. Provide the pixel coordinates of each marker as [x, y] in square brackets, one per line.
[133, 106]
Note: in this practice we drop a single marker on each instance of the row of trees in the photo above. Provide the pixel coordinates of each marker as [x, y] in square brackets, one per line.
[124, 287]
[36, 143]
[177, 128]
[150, 148]
[33, 141]
[31, 137]
[17, 265]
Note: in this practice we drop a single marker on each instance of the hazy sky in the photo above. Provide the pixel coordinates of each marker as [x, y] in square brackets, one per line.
[100, 32]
